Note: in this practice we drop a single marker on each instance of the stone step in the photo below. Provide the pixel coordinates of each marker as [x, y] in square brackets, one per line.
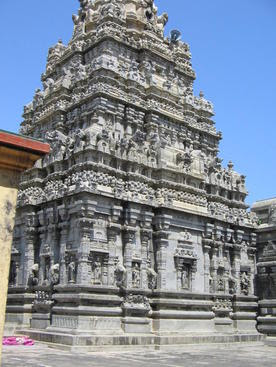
[125, 341]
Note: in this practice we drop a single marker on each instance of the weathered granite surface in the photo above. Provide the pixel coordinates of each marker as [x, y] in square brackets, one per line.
[131, 224]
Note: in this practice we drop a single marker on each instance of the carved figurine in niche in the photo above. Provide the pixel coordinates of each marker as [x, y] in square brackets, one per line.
[48, 84]
[54, 274]
[132, 150]
[120, 275]
[69, 147]
[221, 285]
[97, 271]
[152, 278]
[47, 270]
[103, 141]
[134, 71]
[72, 271]
[152, 154]
[33, 277]
[184, 161]
[38, 98]
[233, 286]
[272, 214]
[245, 283]
[136, 277]
[123, 147]
[57, 140]
[81, 72]
[148, 69]
[185, 277]
[79, 141]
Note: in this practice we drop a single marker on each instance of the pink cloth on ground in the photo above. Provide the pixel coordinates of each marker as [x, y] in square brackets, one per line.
[17, 340]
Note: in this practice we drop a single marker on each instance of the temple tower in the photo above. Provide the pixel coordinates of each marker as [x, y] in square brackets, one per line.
[131, 224]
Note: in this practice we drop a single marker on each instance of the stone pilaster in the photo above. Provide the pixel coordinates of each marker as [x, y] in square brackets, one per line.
[113, 230]
[53, 243]
[29, 256]
[236, 269]
[161, 240]
[85, 229]
[206, 254]
[129, 236]
[64, 226]
[214, 268]
[146, 236]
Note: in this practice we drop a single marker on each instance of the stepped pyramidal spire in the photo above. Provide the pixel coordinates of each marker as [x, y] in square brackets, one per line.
[131, 224]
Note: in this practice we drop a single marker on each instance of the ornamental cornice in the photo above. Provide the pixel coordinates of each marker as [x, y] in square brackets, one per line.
[132, 99]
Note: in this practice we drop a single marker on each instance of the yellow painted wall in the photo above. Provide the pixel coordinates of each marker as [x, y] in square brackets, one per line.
[8, 195]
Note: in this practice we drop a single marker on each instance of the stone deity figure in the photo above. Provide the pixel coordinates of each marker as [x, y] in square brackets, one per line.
[136, 276]
[150, 8]
[221, 285]
[233, 287]
[33, 277]
[54, 274]
[272, 214]
[161, 23]
[72, 272]
[185, 281]
[97, 271]
[38, 98]
[245, 282]
[152, 278]
[79, 141]
[120, 275]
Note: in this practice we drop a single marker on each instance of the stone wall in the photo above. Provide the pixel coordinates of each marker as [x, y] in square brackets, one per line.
[8, 195]
[266, 265]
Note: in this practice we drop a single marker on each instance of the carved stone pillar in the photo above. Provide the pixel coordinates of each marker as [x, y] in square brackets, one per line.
[236, 269]
[29, 256]
[85, 230]
[113, 230]
[227, 269]
[64, 226]
[161, 240]
[214, 270]
[146, 236]
[105, 274]
[42, 236]
[162, 224]
[129, 240]
[206, 252]
[53, 239]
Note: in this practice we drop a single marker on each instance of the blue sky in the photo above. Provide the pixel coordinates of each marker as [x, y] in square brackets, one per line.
[234, 55]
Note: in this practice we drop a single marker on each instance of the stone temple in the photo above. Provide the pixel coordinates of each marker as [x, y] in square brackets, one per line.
[130, 231]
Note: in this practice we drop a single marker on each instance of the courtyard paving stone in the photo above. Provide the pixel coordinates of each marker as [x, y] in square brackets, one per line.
[245, 355]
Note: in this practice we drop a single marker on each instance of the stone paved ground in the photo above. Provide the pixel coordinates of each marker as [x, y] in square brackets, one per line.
[247, 355]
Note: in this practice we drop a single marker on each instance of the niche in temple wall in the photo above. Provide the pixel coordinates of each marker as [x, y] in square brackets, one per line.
[99, 237]
[185, 260]
[244, 254]
[198, 159]
[98, 271]
[73, 235]
[15, 265]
